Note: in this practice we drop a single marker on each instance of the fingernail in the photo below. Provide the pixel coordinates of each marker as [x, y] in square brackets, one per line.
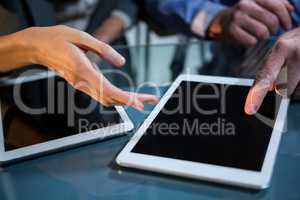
[140, 108]
[251, 110]
[253, 42]
[122, 60]
[117, 58]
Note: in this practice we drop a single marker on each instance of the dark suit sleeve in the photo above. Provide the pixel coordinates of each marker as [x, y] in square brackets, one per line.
[7, 4]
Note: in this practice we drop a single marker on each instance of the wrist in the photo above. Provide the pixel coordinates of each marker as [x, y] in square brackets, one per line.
[27, 49]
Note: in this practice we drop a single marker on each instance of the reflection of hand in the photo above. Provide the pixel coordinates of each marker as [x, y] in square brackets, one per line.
[62, 49]
[110, 30]
[252, 20]
[281, 69]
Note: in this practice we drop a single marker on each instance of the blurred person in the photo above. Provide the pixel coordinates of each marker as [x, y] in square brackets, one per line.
[246, 29]
[180, 16]
[243, 22]
[241, 26]
[106, 20]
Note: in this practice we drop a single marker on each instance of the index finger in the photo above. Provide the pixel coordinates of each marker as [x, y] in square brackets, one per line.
[88, 42]
[264, 81]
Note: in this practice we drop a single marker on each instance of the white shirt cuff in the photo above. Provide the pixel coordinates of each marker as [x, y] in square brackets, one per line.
[204, 18]
[126, 19]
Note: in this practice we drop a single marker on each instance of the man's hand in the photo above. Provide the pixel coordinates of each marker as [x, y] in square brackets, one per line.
[110, 30]
[63, 50]
[252, 20]
[281, 71]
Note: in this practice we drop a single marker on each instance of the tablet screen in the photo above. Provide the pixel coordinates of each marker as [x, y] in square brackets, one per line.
[64, 116]
[206, 123]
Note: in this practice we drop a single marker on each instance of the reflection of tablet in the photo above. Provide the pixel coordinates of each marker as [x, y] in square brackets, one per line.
[199, 130]
[25, 135]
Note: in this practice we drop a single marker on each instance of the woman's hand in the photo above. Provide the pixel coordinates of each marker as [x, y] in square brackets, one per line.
[63, 50]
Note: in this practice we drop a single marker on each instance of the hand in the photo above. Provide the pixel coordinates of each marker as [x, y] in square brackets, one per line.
[110, 30]
[281, 71]
[63, 50]
[252, 20]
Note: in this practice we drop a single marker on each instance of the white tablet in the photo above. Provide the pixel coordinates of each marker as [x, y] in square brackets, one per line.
[24, 135]
[199, 130]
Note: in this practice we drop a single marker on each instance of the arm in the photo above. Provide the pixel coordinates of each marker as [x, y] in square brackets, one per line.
[63, 50]
[14, 53]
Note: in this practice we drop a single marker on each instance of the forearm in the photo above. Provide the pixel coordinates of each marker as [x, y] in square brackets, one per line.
[14, 53]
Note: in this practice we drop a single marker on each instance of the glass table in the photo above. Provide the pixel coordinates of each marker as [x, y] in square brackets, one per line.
[90, 172]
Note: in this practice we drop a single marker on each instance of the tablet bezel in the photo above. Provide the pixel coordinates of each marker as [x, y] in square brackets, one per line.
[226, 175]
[66, 142]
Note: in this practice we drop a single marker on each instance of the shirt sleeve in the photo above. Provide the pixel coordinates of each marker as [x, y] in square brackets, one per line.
[125, 18]
[296, 13]
[198, 14]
